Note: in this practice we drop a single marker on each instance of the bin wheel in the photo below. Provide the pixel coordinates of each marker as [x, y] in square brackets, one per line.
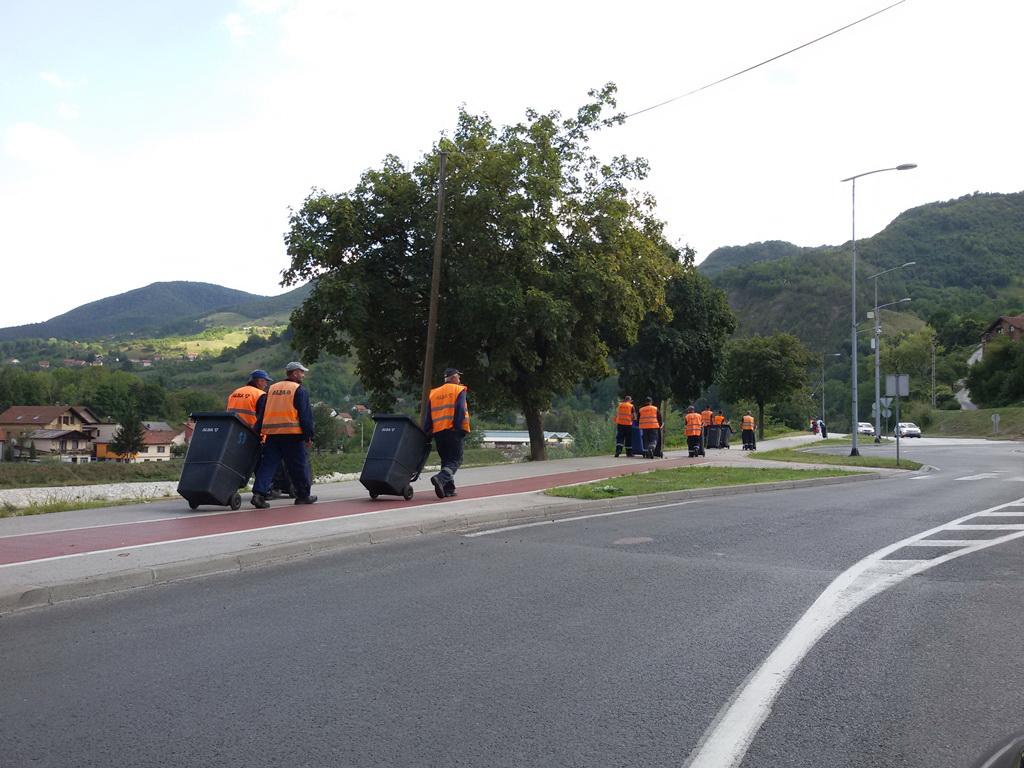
[236, 501]
[407, 492]
[374, 495]
[193, 505]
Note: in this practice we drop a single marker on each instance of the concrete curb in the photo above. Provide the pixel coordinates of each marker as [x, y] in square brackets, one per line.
[24, 598]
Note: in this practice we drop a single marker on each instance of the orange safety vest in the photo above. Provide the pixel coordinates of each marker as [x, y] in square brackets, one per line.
[280, 417]
[705, 417]
[649, 417]
[243, 403]
[442, 407]
[719, 418]
[624, 415]
[748, 422]
[694, 424]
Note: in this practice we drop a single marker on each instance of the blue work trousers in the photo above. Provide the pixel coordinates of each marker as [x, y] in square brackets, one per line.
[292, 451]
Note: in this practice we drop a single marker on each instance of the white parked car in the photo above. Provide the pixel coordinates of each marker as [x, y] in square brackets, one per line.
[907, 429]
[865, 428]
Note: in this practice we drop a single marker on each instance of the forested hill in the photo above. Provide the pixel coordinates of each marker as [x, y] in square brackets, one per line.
[157, 309]
[970, 265]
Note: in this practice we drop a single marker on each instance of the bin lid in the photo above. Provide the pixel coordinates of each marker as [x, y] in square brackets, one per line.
[392, 417]
[219, 416]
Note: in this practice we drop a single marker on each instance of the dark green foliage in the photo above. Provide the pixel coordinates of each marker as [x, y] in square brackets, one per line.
[550, 263]
[969, 254]
[678, 358]
[998, 379]
[129, 438]
[764, 369]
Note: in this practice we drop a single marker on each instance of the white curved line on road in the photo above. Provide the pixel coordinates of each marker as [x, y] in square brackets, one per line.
[728, 738]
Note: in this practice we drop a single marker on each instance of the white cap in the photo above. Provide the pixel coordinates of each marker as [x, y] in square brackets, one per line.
[295, 366]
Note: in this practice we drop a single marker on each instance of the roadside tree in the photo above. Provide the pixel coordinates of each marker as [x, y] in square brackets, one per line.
[129, 437]
[677, 359]
[551, 263]
[764, 369]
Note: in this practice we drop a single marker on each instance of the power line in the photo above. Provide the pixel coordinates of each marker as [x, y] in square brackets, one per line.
[761, 64]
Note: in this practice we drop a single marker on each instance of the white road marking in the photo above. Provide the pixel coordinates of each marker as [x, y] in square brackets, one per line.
[730, 735]
[943, 543]
[574, 519]
[922, 477]
[982, 476]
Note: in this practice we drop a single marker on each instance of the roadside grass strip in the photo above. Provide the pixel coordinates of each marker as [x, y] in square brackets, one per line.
[807, 456]
[686, 478]
[9, 510]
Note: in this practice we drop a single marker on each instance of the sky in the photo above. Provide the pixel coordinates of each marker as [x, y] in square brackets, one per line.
[143, 142]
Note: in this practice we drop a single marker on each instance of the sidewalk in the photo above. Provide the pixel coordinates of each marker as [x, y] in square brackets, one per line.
[60, 556]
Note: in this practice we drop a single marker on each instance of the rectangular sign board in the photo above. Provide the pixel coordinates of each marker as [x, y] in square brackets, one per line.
[897, 384]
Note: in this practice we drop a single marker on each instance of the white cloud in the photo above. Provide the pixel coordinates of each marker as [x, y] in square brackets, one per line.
[237, 26]
[55, 80]
[67, 111]
[41, 148]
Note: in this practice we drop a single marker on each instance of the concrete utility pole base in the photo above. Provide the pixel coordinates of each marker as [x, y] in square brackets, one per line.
[855, 452]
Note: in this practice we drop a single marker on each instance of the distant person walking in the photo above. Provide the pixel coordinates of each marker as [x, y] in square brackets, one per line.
[650, 423]
[822, 429]
[747, 427]
[693, 428]
[625, 414]
[447, 421]
[288, 427]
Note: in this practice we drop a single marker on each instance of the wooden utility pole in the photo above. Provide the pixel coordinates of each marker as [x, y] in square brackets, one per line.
[435, 287]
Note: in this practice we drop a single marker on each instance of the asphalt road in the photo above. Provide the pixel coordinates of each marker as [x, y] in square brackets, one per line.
[609, 641]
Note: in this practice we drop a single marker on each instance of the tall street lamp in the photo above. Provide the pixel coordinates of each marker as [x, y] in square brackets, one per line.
[853, 292]
[878, 343]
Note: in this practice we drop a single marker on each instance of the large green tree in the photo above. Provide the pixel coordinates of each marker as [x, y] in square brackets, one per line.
[679, 357]
[763, 369]
[551, 262]
[998, 379]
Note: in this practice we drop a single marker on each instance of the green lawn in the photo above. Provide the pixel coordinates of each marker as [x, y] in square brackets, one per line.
[976, 423]
[810, 457]
[686, 478]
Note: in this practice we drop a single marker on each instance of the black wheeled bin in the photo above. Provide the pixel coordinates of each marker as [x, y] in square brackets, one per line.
[396, 455]
[712, 435]
[220, 458]
[723, 437]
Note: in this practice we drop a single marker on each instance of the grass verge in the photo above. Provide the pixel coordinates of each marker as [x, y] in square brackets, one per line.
[685, 478]
[812, 457]
[9, 510]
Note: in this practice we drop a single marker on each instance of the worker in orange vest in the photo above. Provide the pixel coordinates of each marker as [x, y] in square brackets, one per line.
[447, 421]
[650, 423]
[625, 414]
[288, 428]
[719, 418]
[247, 401]
[693, 428]
[747, 431]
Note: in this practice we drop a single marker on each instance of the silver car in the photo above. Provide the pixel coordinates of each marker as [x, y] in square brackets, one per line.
[907, 429]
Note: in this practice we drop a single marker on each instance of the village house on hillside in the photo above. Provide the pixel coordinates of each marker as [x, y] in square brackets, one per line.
[64, 431]
[1007, 326]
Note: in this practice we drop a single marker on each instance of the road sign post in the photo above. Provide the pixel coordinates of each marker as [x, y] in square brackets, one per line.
[995, 423]
[897, 385]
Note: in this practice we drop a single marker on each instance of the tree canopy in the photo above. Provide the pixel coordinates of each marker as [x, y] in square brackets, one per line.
[764, 369]
[998, 379]
[678, 359]
[551, 263]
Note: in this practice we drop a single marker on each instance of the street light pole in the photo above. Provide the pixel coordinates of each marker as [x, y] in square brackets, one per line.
[878, 345]
[853, 295]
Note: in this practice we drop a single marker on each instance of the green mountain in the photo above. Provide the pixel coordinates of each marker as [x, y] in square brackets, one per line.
[161, 309]
[969, 256]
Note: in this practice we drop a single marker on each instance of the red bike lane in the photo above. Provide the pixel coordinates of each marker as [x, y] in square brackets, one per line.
[26, 548]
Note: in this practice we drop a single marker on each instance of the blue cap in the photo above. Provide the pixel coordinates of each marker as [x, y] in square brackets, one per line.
[259, 374]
